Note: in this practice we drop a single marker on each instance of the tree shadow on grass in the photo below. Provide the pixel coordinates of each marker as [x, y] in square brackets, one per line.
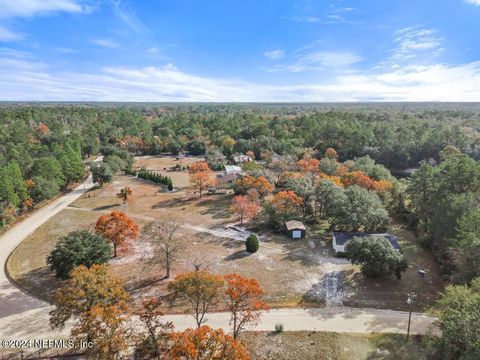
[217, 208]
[171, 203]
[106, 207]
[40, 283]
[240, 254]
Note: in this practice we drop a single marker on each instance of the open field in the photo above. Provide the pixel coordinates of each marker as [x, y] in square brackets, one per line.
[315, 345]
[304, 345]
[292, 272]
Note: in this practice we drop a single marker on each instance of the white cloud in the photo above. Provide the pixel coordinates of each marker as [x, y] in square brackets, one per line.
[414, 41]
[28, 8]
[24, 78]
[128, 16]
[274, 54]
[106, 43]
[317, 60]
[7, 35]
[474, 2]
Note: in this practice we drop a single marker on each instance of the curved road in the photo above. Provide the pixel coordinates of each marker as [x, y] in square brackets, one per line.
[22, 316]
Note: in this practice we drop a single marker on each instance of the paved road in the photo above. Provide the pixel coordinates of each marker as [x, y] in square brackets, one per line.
[22, 316]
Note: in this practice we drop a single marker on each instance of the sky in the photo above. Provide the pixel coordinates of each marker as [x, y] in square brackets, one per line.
[240, 50]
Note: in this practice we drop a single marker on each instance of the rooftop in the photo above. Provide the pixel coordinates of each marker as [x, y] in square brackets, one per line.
[294, 224]
[342, 238]
[232, 169]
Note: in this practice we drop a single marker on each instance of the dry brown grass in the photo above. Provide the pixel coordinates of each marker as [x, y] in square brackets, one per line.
[27, 264]
[303, 345]
[287, 269]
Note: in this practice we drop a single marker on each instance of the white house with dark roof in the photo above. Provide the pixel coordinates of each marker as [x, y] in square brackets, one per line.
[340, 239]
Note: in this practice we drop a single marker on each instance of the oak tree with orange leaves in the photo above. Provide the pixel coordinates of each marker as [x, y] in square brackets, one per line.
[284, 206]
[357, 178]
[106, 327]
[308, 165]
[206, 343]
[200, 289]
[86, 289]
[155, 341]
[116, 227]
[243, 297]
[331, 153]
[260, 184]
[200, 176]
[245, 207]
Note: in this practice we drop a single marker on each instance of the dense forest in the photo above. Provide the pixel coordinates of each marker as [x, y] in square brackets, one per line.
[44, 148]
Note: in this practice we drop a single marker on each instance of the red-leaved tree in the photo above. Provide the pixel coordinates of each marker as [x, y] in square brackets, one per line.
[244, 301]
[116, 227]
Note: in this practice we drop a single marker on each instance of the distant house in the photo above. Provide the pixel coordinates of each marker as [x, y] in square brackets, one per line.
[240, 158]
[233, 169]
[341, 239]
[231, 173]
[295, 229]
[276, 158]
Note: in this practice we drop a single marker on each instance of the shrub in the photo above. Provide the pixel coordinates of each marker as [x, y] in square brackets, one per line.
[78, 248]
[252, 244]
[278, 328]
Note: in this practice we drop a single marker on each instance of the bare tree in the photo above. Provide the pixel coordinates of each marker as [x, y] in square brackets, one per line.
[163, 234]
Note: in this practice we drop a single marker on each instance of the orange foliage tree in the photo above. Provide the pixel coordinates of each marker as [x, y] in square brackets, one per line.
[156, 340]
[382, 186]
[333, 179]
[106, 328]
[308, 165]
[260, 184]
[357, 178]
[284, 205]
[331, 153]
[244, 301]
[250, 154]
[206, 343]
[132, 143]
[245, 207]
[85, 289]
[42, 129]
[200, 176]
[199, 289]
[116, 227]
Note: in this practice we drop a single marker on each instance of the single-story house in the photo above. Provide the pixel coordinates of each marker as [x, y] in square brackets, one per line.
[341, 239]
[240, 158]
[295, 229]
[233, 169]
[231, 173]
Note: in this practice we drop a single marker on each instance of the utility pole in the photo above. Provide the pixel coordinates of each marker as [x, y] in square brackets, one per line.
[410, 297]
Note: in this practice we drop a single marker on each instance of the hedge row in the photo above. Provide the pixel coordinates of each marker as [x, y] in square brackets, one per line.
[156, 178]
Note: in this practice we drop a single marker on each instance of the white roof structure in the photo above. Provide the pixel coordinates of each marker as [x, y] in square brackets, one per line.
[231, 169]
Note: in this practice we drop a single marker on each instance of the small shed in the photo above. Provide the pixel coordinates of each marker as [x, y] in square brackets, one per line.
[295, 229]
[341, 239]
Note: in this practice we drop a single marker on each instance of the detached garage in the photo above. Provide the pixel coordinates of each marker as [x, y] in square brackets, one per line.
[295, 229]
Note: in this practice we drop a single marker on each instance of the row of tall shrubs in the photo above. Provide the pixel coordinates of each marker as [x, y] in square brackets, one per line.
[156, 178]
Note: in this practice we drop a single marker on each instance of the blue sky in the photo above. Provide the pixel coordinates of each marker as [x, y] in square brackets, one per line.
[249, 50]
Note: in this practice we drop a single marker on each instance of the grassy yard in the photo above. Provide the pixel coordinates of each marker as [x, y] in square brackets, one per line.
[292, 272]
[27, 264]
[331, 346]
[392, 293]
